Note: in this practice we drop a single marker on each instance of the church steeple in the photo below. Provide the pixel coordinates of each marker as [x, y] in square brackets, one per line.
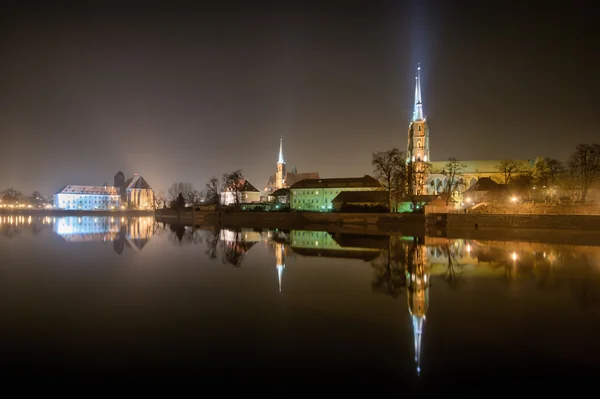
[280, 151]
[418, 110]
[281, 174]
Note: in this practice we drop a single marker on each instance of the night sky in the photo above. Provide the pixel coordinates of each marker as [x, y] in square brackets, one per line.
[181, 94]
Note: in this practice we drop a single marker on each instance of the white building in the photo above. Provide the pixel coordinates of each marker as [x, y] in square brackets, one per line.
[246, 192]
[88, 198]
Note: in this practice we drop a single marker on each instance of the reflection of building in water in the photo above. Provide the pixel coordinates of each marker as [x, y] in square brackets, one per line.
[237, 243]
[280, 261]
[322, 243]
[133, 233]
[417, 284]
[86, 228]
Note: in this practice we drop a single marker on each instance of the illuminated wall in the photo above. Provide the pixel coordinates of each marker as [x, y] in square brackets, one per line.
[88, 202]
[140, 198]
[319, 199]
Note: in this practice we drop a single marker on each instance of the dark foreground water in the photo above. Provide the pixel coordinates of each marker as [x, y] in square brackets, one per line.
[108, 303]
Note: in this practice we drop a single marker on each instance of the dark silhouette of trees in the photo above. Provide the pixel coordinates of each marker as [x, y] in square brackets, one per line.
[10, 195]
[584, 166]
[547, 171]
[193, 197]
[388, 166]
[179, 188]
[213, 194]
[179, 202]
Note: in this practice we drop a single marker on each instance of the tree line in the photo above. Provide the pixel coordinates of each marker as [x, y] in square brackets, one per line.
[183, 194]
[12, 196]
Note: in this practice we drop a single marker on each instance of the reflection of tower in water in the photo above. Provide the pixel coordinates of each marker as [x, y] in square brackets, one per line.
[417, 283]
[280, 261]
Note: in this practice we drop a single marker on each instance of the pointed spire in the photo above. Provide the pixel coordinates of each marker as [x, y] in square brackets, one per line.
[281, 151]
[418, 111]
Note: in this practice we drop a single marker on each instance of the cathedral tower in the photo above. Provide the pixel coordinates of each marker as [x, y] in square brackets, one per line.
[418, 131]
[417, 151]
[280, 175]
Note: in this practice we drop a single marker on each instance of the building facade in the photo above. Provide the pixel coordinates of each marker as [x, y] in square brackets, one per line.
[318, 194]
[137, 193]
[88, 198]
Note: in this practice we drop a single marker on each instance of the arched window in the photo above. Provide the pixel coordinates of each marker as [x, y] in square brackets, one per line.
[419, 128]
[419, 145]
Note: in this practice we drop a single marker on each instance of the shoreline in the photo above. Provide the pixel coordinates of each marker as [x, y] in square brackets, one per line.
[61, 212]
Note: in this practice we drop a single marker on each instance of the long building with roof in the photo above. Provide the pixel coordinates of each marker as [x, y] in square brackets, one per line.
[318, 194]
[88, 198]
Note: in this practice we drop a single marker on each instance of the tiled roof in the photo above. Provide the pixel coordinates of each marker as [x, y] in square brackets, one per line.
[344, 182]
[280, 192]
[485, 184]
[91, 190]
[244, 186]
[137, 182]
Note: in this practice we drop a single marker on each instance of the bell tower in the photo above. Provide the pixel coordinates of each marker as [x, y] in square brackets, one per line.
[280, 175]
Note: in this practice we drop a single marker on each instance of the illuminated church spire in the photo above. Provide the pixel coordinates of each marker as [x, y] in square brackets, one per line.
[280, 151]
[418, 110]
[281, 173]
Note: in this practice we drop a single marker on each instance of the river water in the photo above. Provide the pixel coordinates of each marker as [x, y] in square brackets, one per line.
[147, 305]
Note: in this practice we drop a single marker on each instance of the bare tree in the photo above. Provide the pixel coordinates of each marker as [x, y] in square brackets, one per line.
[584, 166]
[417, 173]
[547, 171]
[234, 183]
[453, 170]
[212, 192]
[10, 195]
[386, 167]
[508, 168]
[179, 188]
[160, 200]
[36, 198]
[193, 198]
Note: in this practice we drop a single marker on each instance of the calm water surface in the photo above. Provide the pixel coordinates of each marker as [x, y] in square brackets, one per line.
[104, 301]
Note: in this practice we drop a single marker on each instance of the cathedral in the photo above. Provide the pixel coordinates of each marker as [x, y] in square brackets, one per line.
[417, 155]
[284, 179]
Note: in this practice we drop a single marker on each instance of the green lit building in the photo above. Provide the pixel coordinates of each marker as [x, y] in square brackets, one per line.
[317, 194]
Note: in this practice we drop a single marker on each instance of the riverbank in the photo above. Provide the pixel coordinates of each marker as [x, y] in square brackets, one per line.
[63, 212]
[519, 221]
[368, 223]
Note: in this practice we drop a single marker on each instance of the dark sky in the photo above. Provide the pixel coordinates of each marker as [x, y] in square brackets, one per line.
[181, 94]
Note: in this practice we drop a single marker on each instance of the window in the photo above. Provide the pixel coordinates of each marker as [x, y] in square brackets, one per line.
[419, 128]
